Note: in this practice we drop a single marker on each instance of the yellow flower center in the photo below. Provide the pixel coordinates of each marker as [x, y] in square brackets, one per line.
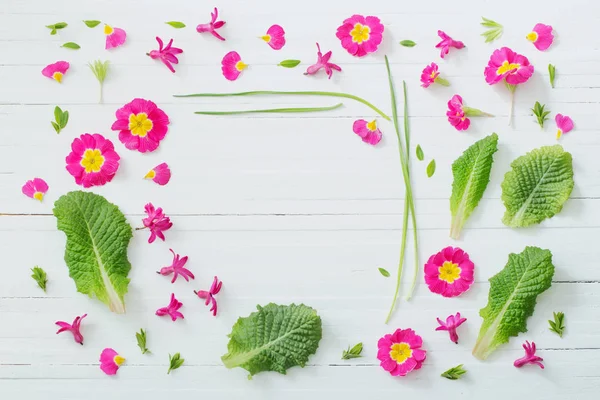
[360, 33]
[57, 76]
[449, 272]
[150, 175]
[92, 160]
[240, 66]
[119, 360]
[432, 76]
[139, 124]
[400, 352]
[372, 126]
[108, 29]
[38, 196]
[505, 67]
[532, 36]
[266, 38]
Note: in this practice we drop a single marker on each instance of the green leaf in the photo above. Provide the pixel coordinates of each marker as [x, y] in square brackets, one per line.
[141, 341]
[274, 338]
[552, 72]
[289, 63]
[39, 275]
[471, 173]
[71, 45]
[408, 43]
[420, 155]
[176, 24]
[494, 32]
[57, 114]
[558, 325]
[175, 361]
[91, 23]
[54, 27]
[64, 119]
[454, 373]
[353, 352]
[540, 114]
[512, 298]
[384, 272]
[431, 168]
[538, 185]
[53, 32]
[55, 126]
[96, 253]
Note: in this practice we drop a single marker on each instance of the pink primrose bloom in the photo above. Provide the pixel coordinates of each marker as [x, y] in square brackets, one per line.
[360, 35]
[449, 272]
[141, 125]
[93, 160]
[400, 352]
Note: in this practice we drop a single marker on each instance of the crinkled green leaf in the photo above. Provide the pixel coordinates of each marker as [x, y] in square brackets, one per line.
[92, 23]
[176, 24]
[471, 173]
[274, 338]
[512, 298]
[537, 186]
[96, 252]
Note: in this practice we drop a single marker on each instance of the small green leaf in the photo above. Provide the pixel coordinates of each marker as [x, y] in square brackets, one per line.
[141, 341]
[55, 27]
[175, 361]
[552, 72]
[53, 32]
[558, 325]
[55, 126]
[353, 352]
[71, 45]
[39, 275]
[454, 373]
[64, 119]
[384, 272]
[420, 155]
[57, 114]
[540, 113]
[431, 168]
[91, 23]
[176, 24]
[408, 43]
[494, 32]
[289, 63]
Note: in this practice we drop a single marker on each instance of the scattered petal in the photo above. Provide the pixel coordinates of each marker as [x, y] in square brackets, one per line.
[322, 62]
[360, 35]
[368, 131]
[160, 174]
[56, 71]
[115, 37]
[449, 272]
[35, 188]
[232, 65]
[93, 160]
[564, 125]
[110, 361]
[142, 125]
[541, 36]
[275, 37]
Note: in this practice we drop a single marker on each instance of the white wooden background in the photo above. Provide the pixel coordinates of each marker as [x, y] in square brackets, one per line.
[290, 208]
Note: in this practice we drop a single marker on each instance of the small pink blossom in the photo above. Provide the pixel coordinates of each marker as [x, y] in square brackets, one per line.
[452, 322]
[541, 36]
[322, 62]
[530, 357]
[449, 272]
[177, 268]
[215, 288]
[35, 188]
[114, 37]
[400, 352]
[171, 309]
[232, 65]
[74, 328]
[93, 160]
[430, 75]
[141, 125]
[110, 361]
[160, 174]
[157, 222]
[446, 43]
[360, 35]
[456, 115]
[168, 54]
[368, 131]
[56, 71]
[212, 26]
[505, 64]
[275, 37]
[564, 124]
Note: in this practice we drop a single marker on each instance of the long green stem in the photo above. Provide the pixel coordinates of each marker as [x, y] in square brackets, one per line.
[272, 110]
[300, 93]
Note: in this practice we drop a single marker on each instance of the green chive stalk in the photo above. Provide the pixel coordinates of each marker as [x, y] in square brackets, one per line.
[272, 110]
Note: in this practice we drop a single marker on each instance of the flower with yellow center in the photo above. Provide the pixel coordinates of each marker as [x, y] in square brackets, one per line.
[119, 360]
[57, 76]
[360, 33]
[449, 272]
[139, 124]
[532, 36]
[372, 126]
[92, 160]
[240, 66]
[108, 29]
[507, 67]
[400, 352]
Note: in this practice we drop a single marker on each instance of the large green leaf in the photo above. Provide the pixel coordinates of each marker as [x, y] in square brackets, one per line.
[96, 251]
[537, 187]
[512, 298]
[275, 338]
[471, 176]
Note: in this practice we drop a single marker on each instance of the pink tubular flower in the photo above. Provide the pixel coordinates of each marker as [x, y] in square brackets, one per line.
[452, 322]
[322, 62]
[110, 361]
[275, 37]
[93, 160]
[171, 309]
[114, 37]
[212, 26]
[564, 124]
[541, 36]
[167, 55]
[177, 268]
[446, 43]
[142, 125]
[73, 328]
[215, 288]
[368, 131]
[508, 65]
[400, 352]
[232, 65]
[431, 75]
[35, 188]
[360, 35]
[160, 174]
[157, 222]
[457, 113]
[56, 71]
[530, 357]
[449, 272]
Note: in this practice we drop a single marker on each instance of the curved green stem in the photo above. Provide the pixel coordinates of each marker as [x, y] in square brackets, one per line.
[300, 93]
[272, 110]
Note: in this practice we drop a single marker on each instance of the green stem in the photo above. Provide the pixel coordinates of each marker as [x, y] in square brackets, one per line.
[272, 110]
[300, 93]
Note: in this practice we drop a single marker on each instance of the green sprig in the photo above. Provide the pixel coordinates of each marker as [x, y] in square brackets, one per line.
[141, 341]
[540, 113]
[39, 275]
[454, 373]
[100, 70]
[61, 118]
[353, 352]
[56, 27]
[558, 325]
[175, 361]
[494, 32]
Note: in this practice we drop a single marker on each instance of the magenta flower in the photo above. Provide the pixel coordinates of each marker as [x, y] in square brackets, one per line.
[160, 174]
[360, 35]
[157, 222]
[400, 352]
[142, 125]
[452, 322]
[56, 71]
[368, 131]
[93, 160]
[215, 288]
[35, 188]
[530, 357]
[73, 328]
[212, 26]
[541, 36]
[322, 62]
[171, 309]
[564, 124]
[177, 268]
[232, 65]
[167, 55]
[457, 113]
[275, 37]
[110, 361]
[446, 43]
[430, 75]
[114, 37]
[449, 272]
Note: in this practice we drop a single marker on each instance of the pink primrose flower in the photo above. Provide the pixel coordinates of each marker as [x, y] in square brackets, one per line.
[400, 352]
[93, 160]
[360, 35]
[449, 272]
[141, 125]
